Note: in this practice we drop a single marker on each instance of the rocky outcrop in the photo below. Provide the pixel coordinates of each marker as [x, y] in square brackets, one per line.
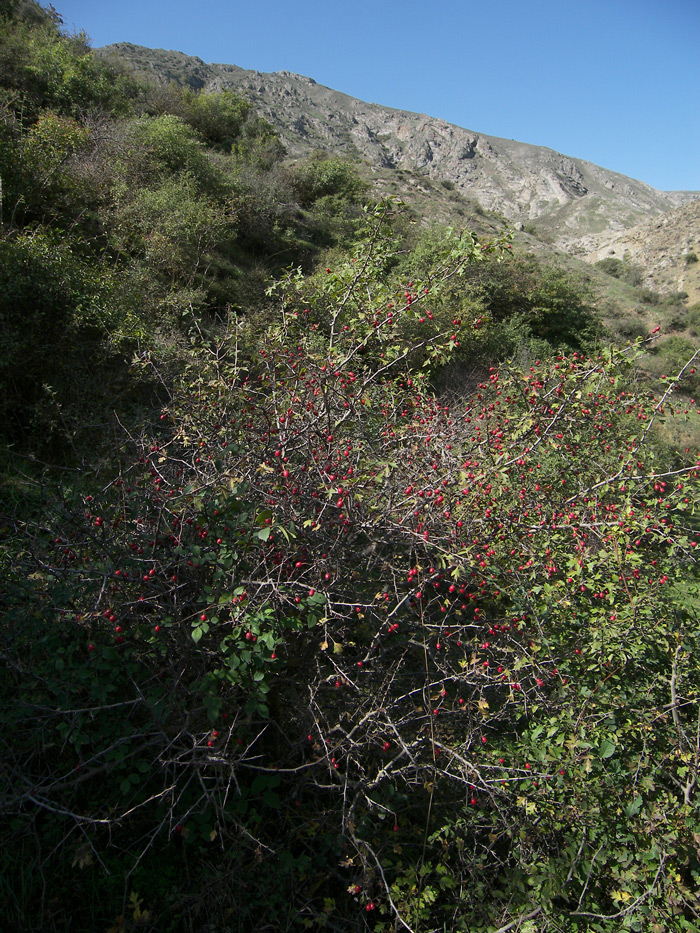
[663, 249]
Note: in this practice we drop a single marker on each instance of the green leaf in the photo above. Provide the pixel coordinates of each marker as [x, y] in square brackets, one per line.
[633, 808]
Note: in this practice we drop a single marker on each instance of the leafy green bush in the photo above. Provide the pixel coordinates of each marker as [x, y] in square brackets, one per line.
[39, 185]
[158, 148]
[228, 123]
[621, 270]
[323, 177]
[526, 301]
[43, 68]
[672, 356]
[448, 650]
[173, 228]
[693, 319]
[59, 332]
[218, 118]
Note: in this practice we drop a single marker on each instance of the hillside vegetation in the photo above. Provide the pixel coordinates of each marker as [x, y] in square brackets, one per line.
[348, 565]
[574, 203]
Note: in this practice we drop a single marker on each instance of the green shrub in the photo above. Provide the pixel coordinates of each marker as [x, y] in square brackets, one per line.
[40, 184]
[620, 269]
[218, 118]
[61, 333]
[672, 356]
[173, 227]
[693, 319]
[329, 178]
[44, 69]
[158, 148]
[321, 616]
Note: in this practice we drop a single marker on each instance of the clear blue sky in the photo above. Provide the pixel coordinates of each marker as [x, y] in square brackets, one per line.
[616, 82]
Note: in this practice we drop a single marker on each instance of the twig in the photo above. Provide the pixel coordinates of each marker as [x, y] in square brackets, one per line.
[519, 920]
[626, 910]
[386, 886]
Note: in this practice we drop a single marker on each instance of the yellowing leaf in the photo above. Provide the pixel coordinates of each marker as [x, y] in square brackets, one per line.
[621, 895]
[83, 856]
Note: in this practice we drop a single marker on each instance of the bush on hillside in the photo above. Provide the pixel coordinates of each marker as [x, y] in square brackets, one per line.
[424, 664]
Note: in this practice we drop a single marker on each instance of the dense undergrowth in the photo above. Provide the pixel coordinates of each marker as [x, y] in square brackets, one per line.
[365, 602]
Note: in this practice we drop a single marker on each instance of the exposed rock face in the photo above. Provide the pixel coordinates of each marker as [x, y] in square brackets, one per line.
[577, 204]
[663, 248]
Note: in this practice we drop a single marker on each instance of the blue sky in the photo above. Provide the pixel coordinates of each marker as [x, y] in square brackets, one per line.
[616, 82]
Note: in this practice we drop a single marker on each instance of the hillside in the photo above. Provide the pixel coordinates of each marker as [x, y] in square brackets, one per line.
[663, 247]
[348, 560]
[579, 206]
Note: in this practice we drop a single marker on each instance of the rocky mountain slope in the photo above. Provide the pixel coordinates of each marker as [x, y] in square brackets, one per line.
[577, 205]
[666, 248]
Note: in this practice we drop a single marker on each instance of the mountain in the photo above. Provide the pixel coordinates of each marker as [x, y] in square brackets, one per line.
[665, 248]
[574, 204]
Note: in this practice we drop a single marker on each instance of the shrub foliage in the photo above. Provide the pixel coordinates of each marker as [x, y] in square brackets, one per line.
[434, 664]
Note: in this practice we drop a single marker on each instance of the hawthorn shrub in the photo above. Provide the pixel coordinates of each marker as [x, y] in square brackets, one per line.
[431, 665]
